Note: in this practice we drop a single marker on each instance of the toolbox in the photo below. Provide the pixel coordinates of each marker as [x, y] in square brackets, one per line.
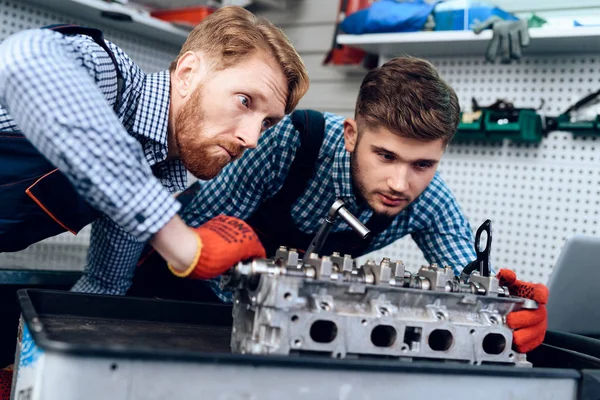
[498, 121]
[518, 125]
[471, 128]
[493, 126]
[81, 346]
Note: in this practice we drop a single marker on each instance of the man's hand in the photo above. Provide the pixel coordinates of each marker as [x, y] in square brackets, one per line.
[221, 243]
[529, 325]
[508, 38]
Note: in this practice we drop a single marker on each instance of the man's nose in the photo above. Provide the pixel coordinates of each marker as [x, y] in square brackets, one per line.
[398, 181]
[249, 133]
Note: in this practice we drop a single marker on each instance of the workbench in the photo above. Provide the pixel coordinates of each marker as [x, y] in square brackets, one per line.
[80, 346]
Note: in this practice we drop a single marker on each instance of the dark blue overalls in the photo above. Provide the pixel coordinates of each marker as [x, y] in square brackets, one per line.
[36, 200]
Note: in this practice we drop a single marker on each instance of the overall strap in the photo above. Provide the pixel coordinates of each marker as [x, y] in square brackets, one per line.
[310, 125]
[98, 37]
[273, 221]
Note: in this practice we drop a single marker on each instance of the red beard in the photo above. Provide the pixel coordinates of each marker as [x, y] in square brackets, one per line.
[195, 150]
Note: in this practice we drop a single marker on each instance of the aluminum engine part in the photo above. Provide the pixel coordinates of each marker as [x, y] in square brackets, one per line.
[327, 306]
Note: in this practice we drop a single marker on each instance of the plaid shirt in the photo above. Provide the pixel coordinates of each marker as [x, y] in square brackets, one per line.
[60, 91]
[434, 219]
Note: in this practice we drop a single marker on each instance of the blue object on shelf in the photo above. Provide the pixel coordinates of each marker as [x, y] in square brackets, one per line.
[387, 16]
[452, 18]
[577, 23]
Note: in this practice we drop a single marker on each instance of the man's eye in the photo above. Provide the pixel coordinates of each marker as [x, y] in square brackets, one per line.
[266, 124]
[423, 166]
[386, 156]
[244, 100]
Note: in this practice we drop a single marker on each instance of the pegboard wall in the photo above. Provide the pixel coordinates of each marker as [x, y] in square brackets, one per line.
[66, 251]
[535, 195]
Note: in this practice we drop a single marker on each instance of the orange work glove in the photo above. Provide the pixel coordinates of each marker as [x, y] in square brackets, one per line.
[222, 242]
[529, 325]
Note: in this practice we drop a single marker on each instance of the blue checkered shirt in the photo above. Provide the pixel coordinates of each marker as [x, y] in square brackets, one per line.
[434, 219]
[60, 92]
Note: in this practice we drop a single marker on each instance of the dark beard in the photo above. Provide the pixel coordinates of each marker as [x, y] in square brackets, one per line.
[193, 149]
[360, 193]
[357, 187]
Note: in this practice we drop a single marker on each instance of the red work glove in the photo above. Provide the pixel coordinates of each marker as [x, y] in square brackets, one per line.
[529, 325]
[222, 242]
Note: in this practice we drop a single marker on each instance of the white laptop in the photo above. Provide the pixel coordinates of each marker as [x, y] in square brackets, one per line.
[574, 286]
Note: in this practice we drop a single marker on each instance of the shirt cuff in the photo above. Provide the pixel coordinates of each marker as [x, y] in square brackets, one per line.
[148, 211]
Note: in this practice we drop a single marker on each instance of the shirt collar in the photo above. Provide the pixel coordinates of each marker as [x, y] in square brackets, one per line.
[152, 115]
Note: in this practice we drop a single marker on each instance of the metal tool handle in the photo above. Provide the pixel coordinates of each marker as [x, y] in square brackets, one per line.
[317, 243]
[354, 223]
[337, 208]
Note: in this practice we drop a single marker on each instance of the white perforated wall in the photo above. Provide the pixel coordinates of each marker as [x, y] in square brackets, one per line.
[67, 251]
[535, 195]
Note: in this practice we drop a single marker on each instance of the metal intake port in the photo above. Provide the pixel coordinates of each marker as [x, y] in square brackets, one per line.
[494, 343]
[440, 340]
[323, 331]
[412, 337]
[383, 336]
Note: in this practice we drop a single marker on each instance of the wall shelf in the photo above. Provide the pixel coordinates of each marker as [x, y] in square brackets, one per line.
[118, 16]
[575, 40]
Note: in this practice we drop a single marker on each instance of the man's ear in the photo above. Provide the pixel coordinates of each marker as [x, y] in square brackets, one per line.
[186, 73]
[350, 134]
